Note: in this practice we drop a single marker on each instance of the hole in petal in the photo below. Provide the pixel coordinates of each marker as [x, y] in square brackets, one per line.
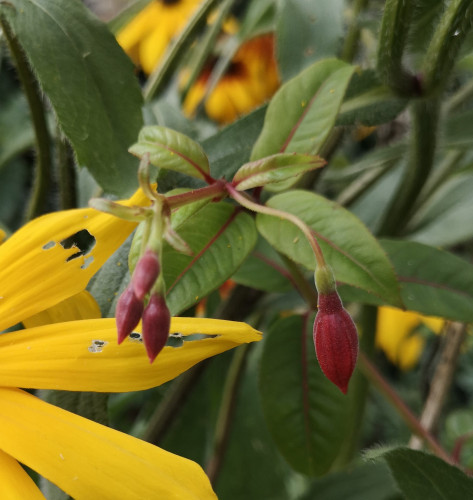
[135, 337]
[87, 261]
[82, 240]
[177, 339]
[97, 345]
[49, 245]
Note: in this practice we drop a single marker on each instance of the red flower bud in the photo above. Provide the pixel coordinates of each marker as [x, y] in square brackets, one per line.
[155, 324]
[128, 313]
[146, 271]
[336, 340]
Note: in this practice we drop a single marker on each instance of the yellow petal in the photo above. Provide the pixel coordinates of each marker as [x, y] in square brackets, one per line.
[84, 355]
[137, 29]
[394, 334]
[90, 461]
[35, 273]
[2, 235]
[79, 306]
[409, 351]
[393, 326]
[15, 483]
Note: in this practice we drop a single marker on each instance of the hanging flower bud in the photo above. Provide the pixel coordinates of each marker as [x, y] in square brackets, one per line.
[155, 325]
[336, 340]
[335, 336]
[128, 313]
[146, 271]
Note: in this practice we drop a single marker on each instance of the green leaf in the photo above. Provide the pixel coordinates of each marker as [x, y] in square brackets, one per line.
[263, 270]
[305, 412]
[423, 476]
[274, 168]
[369, 481]
[433, 282]
[88, 80]
[348, 246]
[306, 32]
[221, 237]
[458, 130]
[303, 111]
[231, 147]
[445, 219]
[172, 150]
[368, 102]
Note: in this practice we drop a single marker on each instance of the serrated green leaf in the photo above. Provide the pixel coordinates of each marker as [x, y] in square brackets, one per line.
[221, 238]
[172, 150]
[420, 476]
[303, 111]
[275, 168]
[305, 413]
[352, 251]
[433, 282]
[88, 80]
[306, 32]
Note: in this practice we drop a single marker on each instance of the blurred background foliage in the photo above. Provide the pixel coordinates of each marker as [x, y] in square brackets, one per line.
[208, 69]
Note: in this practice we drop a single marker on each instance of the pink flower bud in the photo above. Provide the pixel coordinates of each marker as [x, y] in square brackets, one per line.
[146, 271]
[155, 324]
[336, 340]
[128, 313]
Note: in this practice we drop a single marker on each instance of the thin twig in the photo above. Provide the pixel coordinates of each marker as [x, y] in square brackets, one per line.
[441, 381]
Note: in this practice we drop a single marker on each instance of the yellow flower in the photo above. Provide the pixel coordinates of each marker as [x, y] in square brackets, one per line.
[146, 37]
[249, 81]
[39, 270]
[396, 334]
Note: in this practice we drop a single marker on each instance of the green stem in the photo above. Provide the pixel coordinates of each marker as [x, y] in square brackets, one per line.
[395, 25]
[263, 209]
[370, 371]
[227, 409]
[41, 183]
[350, 44]
[425, 114]
[215, 190]
[446, 41]
[67, 174]
[161, 74]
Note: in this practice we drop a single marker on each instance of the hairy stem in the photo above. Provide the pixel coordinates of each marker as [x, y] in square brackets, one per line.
[42, 179]
[395, 25]
[446, 41]
[425, 114]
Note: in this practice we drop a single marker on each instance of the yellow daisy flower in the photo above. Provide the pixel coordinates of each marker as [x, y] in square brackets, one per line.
[249, 81]
[396, 334]
[147, 36]
[38, 270]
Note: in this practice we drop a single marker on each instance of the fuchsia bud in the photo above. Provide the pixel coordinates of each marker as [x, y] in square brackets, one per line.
[128, 313]
[146, 271]
[336, 340]
[155, 325]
